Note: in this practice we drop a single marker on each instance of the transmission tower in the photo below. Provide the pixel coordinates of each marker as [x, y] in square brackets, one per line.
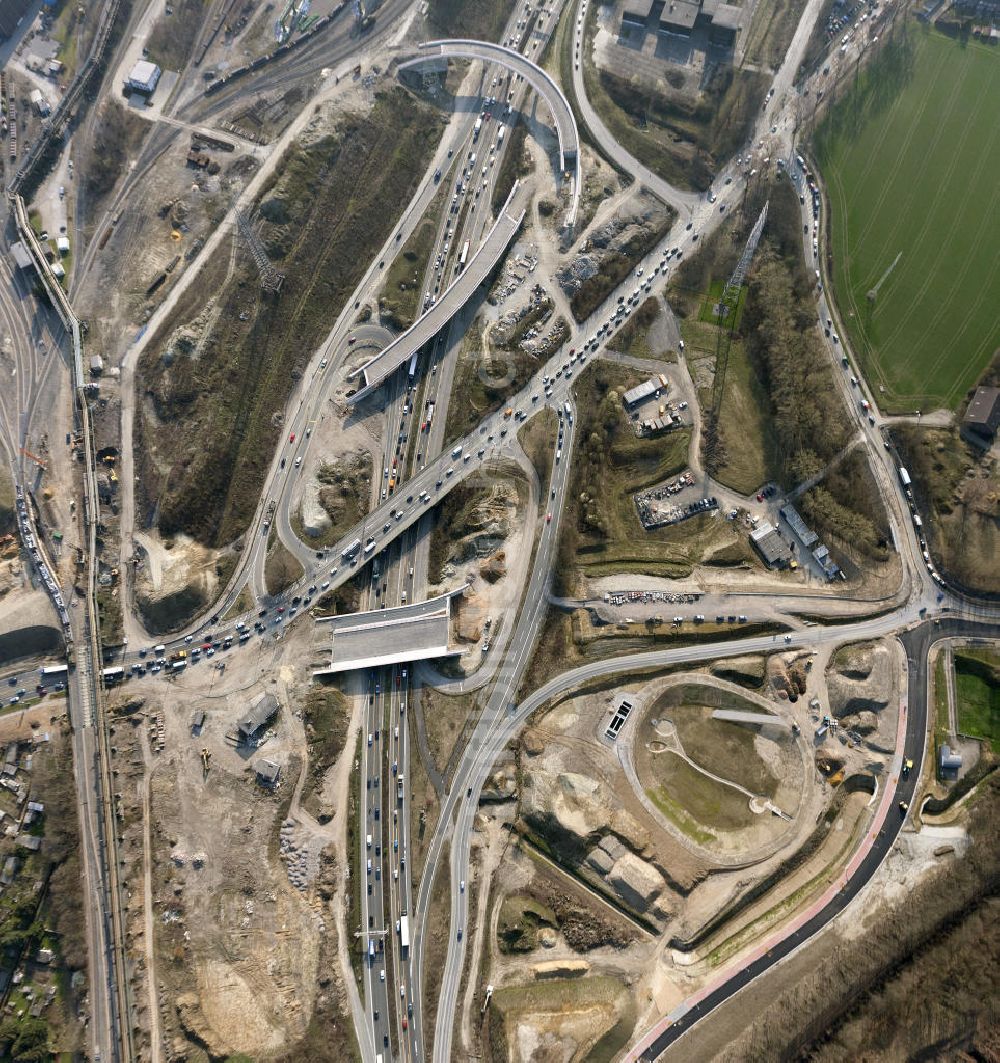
[270, 279]
[728, 305]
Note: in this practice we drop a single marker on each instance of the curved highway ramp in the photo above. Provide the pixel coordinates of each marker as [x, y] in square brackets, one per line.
[454, 297]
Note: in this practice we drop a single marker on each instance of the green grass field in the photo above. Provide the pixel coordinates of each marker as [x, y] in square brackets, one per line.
[977, 688]
[910, 157]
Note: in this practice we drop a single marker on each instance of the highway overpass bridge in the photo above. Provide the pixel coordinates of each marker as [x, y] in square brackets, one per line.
[455, 296]
[539, 79]
[416, 632]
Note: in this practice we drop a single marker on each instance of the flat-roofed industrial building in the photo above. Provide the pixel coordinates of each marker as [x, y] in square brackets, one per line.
[773, 550]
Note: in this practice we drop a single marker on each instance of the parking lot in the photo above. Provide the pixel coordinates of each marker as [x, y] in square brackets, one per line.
[672, 502]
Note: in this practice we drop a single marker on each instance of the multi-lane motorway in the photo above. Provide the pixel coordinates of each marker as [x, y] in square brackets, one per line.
[393, 546]
[388, 521]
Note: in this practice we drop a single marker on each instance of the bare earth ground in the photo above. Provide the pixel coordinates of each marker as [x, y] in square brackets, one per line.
[569, 739]
[241, 876]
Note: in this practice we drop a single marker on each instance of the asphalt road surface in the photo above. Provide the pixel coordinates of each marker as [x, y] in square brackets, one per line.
[917, 642]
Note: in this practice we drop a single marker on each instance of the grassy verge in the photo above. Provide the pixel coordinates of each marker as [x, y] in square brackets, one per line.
[438, 932]
[723, 748]
[243, 604]
[74, 28]
[117, 137]
[8, 515]
[173, 36]
[678, 814]
[956, 491]
[424, 807]
[770, 31]
[745, 430]
[400, 300]
[484, 384]
[942, 730]
[515, 164]
[977, 688]
[326, 718]
[710, 804]
[446, 717]
[324, 215]
[483, 20]
[109, 611]
[538, 441]
[281, 569]
[356, 872]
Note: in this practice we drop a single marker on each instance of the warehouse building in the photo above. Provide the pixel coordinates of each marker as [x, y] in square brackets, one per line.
[982, 418]
[680, 18]
[802, 531]
[773, 550]
[821, 555]
[656, 426]
[40, 103]
[638, 395]
[267, 772]
[261, 712]
[638, 12]
[142, 79]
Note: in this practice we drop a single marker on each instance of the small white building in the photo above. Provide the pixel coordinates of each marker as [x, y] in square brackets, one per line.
[143, 78]
[40, 103]
[62, 244]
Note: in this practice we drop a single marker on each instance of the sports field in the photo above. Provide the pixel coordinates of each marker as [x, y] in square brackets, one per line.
[911, 158]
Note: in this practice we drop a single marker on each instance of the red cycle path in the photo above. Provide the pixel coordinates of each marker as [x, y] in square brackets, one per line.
[797, 923]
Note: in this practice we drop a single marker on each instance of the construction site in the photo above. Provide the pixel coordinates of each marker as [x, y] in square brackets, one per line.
[734, 800]
[229, 918]
[451, 550]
